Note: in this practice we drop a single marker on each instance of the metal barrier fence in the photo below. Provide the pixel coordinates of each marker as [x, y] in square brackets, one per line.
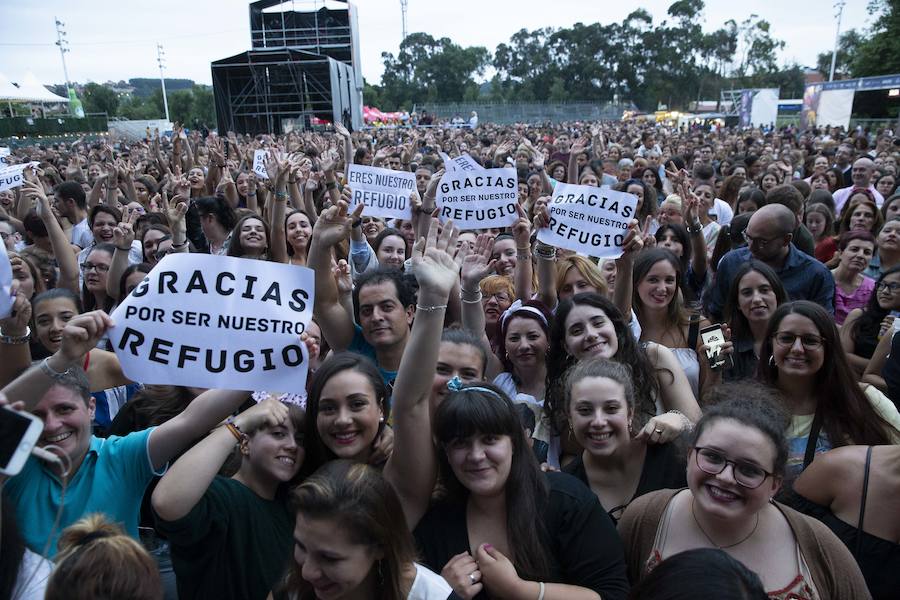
[527, 112]
[54, 126]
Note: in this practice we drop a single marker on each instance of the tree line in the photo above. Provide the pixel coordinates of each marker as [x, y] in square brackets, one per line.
[672, 62]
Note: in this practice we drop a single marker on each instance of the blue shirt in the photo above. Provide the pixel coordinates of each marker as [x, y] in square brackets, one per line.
[111, 480]
[361, 346]
[803, 277]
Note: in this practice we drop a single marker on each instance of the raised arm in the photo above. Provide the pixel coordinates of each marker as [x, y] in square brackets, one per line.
[632, 244]
[123, 237]
[184, 484]
[412, 467]
[477, 265]
[15, 353]
[546, 263]
[348, 148]
[521, 231]
[872, 375]
[332, 227]
[278, 170]
[674, 389]
[62, 249]
[699, 259]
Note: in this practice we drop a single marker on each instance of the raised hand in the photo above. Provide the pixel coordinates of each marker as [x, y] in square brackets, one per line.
[478, 264]
[123, 234]
[333, 224]
[82, 333]
[277, 168]
[176, 208]
[341, 130]
[433, 262]
[269, 413]
[521, 229]
[342, 277]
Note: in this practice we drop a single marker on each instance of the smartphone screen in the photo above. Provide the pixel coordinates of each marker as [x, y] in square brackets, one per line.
[12, 429]
[714, 338]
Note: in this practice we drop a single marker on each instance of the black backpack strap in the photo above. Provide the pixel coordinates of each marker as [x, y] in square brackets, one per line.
[813, 439]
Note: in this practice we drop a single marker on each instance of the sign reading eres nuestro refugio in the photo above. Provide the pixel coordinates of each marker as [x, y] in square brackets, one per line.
[591, 221]
[384, 192]
[216, 321]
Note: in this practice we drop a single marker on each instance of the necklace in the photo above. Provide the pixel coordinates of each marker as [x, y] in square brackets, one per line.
[706, 535]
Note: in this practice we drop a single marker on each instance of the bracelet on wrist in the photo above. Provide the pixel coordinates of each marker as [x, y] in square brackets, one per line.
[687, 423]
[234, 429]
[434, 308]
[545, 252]
[281, 195]
[16, 339]
[51, 372]
[330, 185]
[128, 249]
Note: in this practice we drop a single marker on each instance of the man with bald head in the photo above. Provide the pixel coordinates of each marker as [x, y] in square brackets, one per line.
[768, 235]
[861, 174]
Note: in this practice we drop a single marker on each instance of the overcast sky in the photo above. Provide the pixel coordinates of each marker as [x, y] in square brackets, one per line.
[116, 39]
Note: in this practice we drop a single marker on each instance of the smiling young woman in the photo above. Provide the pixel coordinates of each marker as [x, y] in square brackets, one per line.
[735, 467]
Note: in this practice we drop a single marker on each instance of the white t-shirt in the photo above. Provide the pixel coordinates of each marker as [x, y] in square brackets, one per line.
[428, 585]
[34, 571]
[82, 235]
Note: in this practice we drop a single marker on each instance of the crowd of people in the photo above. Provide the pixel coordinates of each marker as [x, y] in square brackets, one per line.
[486, 416]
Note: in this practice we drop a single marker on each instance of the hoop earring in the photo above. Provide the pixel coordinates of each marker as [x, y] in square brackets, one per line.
[772, 360]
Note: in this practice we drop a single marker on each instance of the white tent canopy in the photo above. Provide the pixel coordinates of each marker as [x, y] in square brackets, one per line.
[29, 90]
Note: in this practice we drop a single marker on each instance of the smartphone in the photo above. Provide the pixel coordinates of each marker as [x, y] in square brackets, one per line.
[19, 431]
[714, 338]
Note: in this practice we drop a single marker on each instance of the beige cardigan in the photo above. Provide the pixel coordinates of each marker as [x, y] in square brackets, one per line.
[834, 571]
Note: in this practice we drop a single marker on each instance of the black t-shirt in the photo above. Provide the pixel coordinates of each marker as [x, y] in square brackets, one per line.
[891, 370]
[584, 547]
[663, 468]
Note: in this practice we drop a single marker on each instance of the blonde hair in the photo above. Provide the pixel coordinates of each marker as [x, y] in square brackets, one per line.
[498, 283]
[97, 560]
[585, 267]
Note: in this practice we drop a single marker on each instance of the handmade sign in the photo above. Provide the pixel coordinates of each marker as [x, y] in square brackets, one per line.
[384, 192]
[591, 221]
[215, 321]
[478, 200]
[259, 163]
[463, 162]
[12, 176]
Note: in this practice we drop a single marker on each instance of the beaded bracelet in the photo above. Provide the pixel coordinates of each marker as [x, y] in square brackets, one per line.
[431, 308]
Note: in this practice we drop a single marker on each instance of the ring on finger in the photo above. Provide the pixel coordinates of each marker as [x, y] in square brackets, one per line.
[472, 578]
[658, 430]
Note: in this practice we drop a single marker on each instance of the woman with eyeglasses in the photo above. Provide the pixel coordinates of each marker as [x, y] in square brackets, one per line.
[801, 355]
[864, 327]
[736, 464]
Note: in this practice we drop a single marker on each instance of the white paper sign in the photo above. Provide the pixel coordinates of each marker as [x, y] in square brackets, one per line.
[4, 152]
[460, 163]
[384, 192]
[12, 176]
[259, 163]
[591, 221]
[479, 200]
[217, 321]
[6, 297]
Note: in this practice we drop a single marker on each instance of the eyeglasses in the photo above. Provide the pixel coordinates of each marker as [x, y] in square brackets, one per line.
[760, 242]
[745, 474]
[498, 296]
[86, 267]
[884, 286]
[809, 341]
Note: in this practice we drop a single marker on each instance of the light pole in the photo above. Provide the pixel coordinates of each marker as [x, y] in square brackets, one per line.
[403, 7]
[63, 48]
[837, 37]
[160, 60]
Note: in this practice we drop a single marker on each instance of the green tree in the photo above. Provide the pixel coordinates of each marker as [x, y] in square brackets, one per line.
[181, 106]
[848, 48]
[204, 105]
[99, 98]
[879, 52]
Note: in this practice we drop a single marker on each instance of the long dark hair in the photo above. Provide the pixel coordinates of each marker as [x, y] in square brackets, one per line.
[700, 573]
[646, 386]
[677, 316]
[683, 238]
[525, 314]
[234, 246]
[740, 327]
[359, 500]
[847, 415]
[868, 325]
[317, 453]
[123, 280]
[469, 412]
